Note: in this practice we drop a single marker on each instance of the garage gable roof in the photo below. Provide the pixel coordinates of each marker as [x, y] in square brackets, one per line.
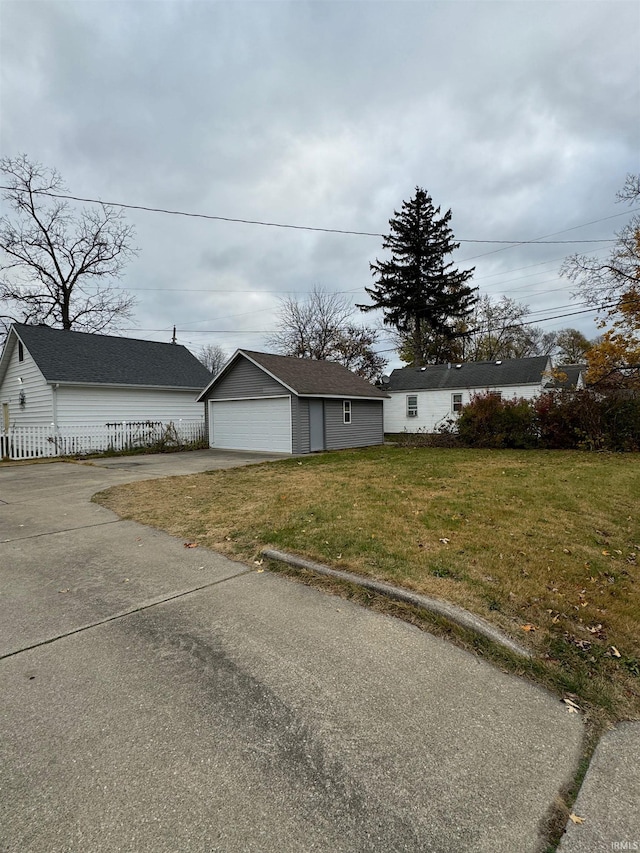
[305, 377]
[81, 358]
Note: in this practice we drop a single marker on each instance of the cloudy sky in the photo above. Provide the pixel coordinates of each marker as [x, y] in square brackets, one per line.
[522, 117]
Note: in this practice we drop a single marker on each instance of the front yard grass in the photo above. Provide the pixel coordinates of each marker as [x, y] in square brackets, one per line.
[546, 545]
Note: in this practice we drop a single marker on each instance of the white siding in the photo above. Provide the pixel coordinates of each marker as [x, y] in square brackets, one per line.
[38, 406]
[95, 405]
[434, 407]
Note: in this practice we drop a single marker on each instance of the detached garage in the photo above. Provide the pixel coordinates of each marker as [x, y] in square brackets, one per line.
[275, 403]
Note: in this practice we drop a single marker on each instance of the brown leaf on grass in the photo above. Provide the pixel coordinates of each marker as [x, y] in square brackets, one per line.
[190, 544]
[575, 819]
[528, 628]
[572, 708]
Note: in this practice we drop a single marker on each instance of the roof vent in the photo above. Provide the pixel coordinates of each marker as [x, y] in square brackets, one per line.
[386, 379]
[498, 362]
[458, 366]
[422, 369]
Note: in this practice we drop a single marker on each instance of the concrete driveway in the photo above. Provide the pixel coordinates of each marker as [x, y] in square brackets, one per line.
[157, 698]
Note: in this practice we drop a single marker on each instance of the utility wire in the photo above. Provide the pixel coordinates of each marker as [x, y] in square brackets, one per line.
[207, 216]
[268, 331]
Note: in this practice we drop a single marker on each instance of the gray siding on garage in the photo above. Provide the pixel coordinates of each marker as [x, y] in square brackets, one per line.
[301, 430]
[244, 379]
[299, 425]
[366, 425]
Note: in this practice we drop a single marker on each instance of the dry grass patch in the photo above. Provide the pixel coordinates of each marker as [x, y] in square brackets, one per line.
[544, 544]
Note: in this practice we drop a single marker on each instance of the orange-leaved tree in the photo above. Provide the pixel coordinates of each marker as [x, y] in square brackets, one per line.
[612, 285]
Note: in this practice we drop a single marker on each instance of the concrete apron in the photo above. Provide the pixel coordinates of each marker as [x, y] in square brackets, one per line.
[252, 713]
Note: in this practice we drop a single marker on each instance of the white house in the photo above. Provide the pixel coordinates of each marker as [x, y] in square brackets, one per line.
[425, 398]
[64, 378]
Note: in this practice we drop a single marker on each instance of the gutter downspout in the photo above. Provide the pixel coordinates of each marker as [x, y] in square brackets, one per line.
[54, 396]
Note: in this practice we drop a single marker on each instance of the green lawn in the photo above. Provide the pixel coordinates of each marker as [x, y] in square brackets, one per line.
[546, 545]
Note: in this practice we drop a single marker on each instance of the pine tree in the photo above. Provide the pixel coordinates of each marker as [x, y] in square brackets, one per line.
[418, 290]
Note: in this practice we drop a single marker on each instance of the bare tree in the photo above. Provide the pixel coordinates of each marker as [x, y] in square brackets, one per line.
[319, 327]
[213, 357]
[58, 265]
[601, 281]
[572, 346]
[493, 330]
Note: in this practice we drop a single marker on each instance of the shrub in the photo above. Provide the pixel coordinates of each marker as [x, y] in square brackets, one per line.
[490, 421]
[589, 419]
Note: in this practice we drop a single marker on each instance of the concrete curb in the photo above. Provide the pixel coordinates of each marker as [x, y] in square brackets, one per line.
[451, 612]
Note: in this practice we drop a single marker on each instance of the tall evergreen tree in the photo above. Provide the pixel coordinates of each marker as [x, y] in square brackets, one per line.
[419, 291]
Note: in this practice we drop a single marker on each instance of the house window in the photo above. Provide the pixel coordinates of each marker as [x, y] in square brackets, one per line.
[20, 351]
[412, 405]
[456, 402]
[346, 411]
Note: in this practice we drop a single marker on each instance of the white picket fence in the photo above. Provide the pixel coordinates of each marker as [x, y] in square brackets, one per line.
[30, 442]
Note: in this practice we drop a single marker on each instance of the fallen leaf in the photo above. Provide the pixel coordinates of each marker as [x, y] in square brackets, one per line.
[615, 652]
[258, 562]
[63, 590]
[528, 628]
[259, 571]
[606, 553]
[575, 819]
[571, 706]
[190, 544]
[445, 541]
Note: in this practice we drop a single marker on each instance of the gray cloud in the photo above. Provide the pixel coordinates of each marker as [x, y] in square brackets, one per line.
[522, 117]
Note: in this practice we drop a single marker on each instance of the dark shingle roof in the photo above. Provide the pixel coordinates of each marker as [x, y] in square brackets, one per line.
[473, 374]
[572, 372]
[65, 356]
[306, 376]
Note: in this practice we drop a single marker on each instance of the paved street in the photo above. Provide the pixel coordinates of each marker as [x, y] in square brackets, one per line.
[156, 698]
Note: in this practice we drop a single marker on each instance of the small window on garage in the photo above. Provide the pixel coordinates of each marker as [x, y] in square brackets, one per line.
[456, 402]
[412, 405]
[346, 411]
[20, 351]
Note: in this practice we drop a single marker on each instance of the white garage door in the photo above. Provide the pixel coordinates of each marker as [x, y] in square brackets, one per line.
[251, 424]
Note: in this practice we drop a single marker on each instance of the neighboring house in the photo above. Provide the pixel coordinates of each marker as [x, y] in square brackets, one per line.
[574, 374]
[52, 376]
[277, 403]
[425, 398]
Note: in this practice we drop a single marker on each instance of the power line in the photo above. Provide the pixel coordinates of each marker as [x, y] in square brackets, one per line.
[564, 231]
[169, 212]
[268, 331]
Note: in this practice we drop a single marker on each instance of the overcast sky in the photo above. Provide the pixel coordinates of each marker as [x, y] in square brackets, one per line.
[522, 117]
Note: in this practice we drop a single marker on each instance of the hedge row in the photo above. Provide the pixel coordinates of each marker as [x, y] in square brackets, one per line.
[582, 419]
